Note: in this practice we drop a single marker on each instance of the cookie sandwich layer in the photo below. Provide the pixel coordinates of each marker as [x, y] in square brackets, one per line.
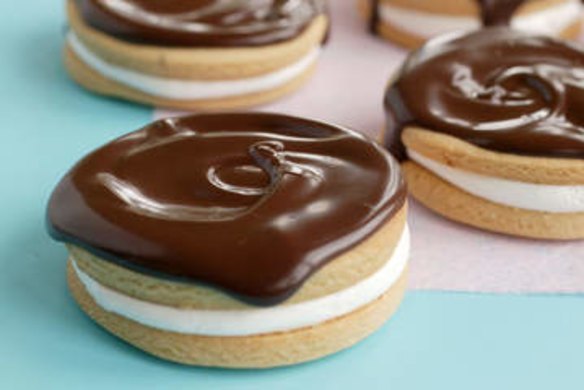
[499, 127]
[196, 58]
[232, 227]
[400, 21]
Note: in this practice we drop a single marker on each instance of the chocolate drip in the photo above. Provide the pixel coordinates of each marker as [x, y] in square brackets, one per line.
[498, 12]
[249, 203]
[201, 22]
[496, 88]
[374, 17]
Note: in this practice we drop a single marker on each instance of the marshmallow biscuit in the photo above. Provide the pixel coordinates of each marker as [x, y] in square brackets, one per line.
[410, 24]
[236, 240]
[490, 130]
[194, 56]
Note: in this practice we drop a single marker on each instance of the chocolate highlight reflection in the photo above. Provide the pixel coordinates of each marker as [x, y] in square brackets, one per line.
[249, 203]
[201, 22]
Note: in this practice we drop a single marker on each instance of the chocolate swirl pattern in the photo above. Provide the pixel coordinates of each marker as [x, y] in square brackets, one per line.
[498, 89]
[250, 203]
[201, 22]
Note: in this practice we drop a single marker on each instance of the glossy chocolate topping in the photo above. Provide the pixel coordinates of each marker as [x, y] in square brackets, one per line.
[498, 89]
[249, 203]
[491, 12]
[201, 22]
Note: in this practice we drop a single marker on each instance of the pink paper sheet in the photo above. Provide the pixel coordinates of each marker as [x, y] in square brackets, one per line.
[347, 89]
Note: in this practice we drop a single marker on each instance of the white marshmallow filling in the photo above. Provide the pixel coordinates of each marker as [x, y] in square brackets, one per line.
[550, 20]
[528, 196]
[178, 89]
[253, 321]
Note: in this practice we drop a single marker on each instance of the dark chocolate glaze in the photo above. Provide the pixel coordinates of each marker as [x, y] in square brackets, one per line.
[498, 12]
[201, 22]
[374, 17]
[491, 12]
[252, 204]
[497, 88]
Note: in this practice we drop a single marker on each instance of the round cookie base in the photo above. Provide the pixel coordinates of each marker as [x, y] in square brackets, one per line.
[258, 351]
[95, 82]
[411, 41]
[408, 40]
[458, 205]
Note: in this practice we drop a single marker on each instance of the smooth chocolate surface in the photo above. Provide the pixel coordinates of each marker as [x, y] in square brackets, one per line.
[250, 203]
[498, 89]
[205, 23]
[491, 12]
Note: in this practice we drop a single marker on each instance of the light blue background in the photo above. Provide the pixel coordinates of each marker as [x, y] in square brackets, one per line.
[436, 341]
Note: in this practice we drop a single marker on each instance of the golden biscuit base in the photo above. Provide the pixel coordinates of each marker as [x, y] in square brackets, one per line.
[340, 273]
[258, 351]
[406, 39]
[465, 7]
[458, 205]
[96, 82]
[459, 154]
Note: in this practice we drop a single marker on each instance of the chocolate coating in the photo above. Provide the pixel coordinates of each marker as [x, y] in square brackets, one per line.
[201, 22]
[498, 89]
[491, 12]
[250, 203]
[498, 12]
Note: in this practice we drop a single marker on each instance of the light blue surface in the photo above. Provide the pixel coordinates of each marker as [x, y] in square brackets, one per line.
[436, 341]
